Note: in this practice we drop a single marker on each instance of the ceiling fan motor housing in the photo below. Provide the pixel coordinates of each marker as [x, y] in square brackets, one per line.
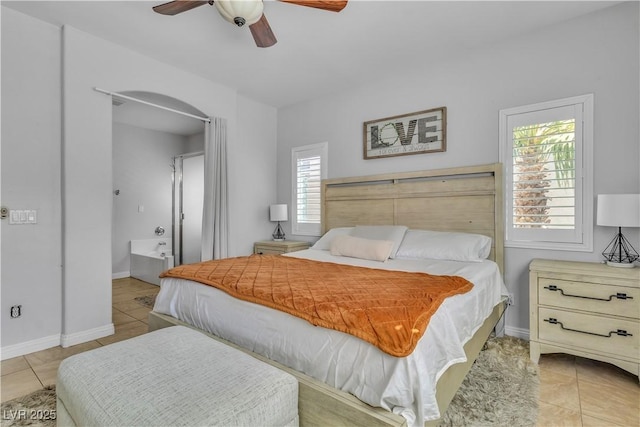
[246, 12]
[240, 12]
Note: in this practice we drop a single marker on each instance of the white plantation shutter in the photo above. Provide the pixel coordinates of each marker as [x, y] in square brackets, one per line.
[546, 150]
[309, 169]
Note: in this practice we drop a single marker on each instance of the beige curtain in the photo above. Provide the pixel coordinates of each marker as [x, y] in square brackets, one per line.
[215, 239]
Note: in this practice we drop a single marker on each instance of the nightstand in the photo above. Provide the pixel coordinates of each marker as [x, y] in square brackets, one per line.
[585, 309]
[270, 247]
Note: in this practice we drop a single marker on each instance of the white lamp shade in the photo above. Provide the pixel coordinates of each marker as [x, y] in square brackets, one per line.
[249, 10]
[278, 213]
[619, 210]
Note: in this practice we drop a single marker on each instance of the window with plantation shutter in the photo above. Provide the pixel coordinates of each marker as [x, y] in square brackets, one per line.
[546, 151]
[309, 169]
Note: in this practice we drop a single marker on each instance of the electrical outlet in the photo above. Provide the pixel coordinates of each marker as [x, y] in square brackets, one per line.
[16, 311]
[510, 300]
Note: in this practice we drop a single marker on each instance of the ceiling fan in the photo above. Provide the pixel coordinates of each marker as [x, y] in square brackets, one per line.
[247, 12]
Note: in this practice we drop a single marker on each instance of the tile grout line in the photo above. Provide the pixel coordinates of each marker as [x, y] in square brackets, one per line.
[582, 414]
[608, 421]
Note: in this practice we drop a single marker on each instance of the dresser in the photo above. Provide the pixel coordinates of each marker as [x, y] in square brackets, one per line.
[271, 247]
[585, 309]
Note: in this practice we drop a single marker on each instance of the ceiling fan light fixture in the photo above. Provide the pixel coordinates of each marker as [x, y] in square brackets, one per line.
[240, 12]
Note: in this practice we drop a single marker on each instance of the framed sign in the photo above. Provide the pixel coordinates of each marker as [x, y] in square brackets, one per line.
[414, 133]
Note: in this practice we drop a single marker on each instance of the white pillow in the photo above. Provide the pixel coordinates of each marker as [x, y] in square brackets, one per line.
[324, 243]
[356, 247]
[444, 245]
[394, 233]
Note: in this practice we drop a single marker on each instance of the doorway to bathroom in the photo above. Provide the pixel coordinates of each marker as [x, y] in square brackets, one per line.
[149, 146]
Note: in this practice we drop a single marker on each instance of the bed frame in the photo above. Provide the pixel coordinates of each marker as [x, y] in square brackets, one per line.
[466, 199]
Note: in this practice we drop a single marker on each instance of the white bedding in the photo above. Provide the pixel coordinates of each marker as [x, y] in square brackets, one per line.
[403, 385]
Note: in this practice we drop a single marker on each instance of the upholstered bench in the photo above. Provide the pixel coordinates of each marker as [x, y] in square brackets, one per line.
[173, 377]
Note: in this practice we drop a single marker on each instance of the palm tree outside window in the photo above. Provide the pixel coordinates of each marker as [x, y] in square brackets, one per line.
[545, 150]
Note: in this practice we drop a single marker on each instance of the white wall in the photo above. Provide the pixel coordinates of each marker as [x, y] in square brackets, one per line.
[31, 140]
[195, 143]
[77, 308]
[596, 53]
[90, 62]
[254, 180]
[142, 173]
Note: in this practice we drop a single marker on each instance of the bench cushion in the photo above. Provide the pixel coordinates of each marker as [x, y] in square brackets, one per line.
[175, 376]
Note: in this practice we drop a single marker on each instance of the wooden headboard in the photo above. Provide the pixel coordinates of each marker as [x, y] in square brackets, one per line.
[464, 199]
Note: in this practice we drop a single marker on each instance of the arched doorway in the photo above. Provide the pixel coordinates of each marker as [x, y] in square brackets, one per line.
[154, 149]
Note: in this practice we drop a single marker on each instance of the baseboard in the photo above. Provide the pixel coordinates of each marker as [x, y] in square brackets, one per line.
[67, 340]
[120, 275]
[517, 332]
[15, 350]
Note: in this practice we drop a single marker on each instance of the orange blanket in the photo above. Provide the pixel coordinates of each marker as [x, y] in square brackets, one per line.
[389, 309]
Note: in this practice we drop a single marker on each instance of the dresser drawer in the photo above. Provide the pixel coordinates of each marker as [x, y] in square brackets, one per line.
[596, 298]
[268, 251]
[589, 331]
[272, 247]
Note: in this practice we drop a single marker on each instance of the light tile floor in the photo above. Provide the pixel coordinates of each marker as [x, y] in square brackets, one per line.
[573, 391]
[24, 374]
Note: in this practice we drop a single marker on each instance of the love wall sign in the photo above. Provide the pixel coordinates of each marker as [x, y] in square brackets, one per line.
[414, 133]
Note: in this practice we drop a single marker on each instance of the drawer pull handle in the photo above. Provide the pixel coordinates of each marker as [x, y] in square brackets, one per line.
[620, 332]
[619, 295]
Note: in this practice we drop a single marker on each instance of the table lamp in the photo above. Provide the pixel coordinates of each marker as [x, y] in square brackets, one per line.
[619, 210]
[278, 213]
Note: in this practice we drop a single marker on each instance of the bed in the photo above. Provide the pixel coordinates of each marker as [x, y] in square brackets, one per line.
[410, 390]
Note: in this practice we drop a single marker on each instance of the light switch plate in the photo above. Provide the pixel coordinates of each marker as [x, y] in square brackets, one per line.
[23, 216]
[14, 217]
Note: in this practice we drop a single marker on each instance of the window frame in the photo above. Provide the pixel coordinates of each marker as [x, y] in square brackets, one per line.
[583, 176]
[322, 148]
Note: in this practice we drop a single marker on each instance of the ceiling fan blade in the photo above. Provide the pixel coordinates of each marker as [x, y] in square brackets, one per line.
[331, 5]
[262, 34]
[178, 6]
